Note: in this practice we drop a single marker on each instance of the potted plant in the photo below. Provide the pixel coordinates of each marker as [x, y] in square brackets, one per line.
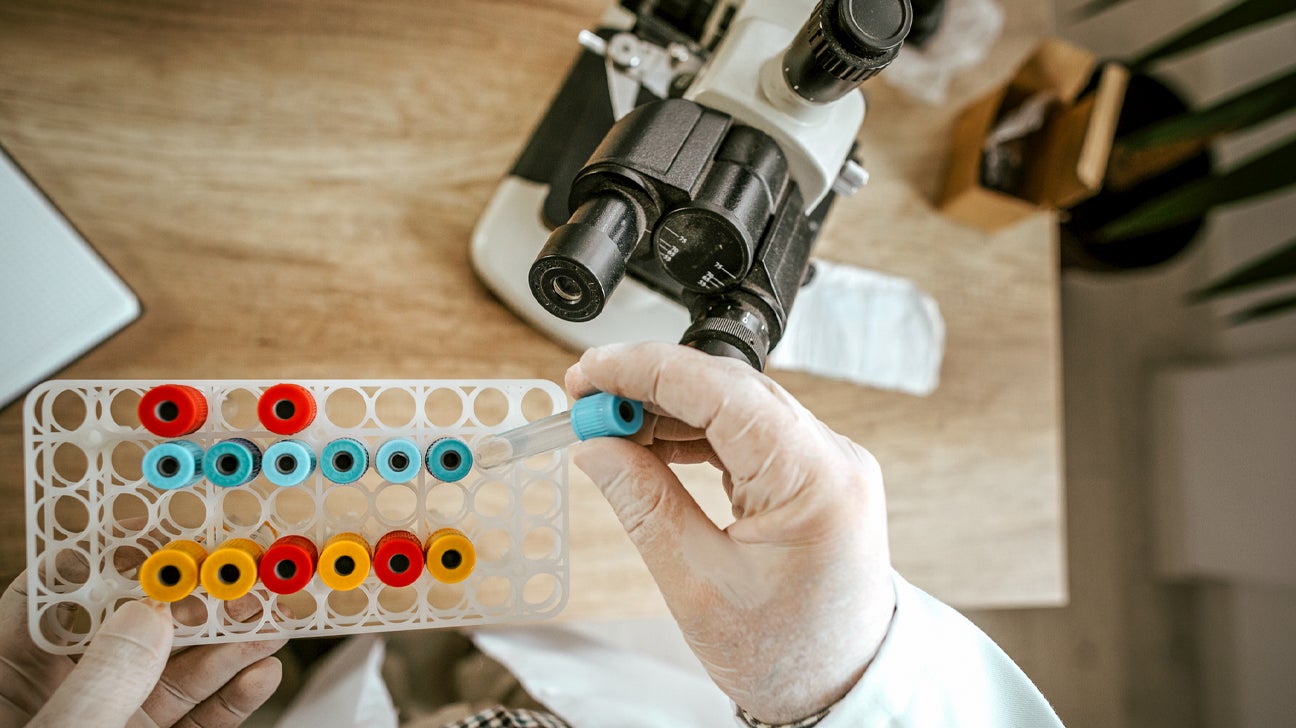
[1161, 182]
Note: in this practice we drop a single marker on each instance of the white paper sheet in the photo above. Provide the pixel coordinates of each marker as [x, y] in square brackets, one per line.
[58, 299]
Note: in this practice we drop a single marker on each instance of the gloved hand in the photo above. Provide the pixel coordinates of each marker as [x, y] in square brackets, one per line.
[125, 676]
[786, 607]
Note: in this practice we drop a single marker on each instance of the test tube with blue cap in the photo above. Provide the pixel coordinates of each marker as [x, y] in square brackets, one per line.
[597, 415]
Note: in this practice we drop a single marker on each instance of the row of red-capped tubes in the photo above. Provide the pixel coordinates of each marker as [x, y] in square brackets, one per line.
[176, 410]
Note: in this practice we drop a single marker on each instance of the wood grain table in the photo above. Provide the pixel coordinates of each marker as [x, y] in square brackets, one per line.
[290, 186]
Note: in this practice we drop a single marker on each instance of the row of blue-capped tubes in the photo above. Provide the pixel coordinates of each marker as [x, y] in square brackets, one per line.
[238, 461]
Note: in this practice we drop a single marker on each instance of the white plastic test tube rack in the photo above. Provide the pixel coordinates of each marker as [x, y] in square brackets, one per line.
[92, 518]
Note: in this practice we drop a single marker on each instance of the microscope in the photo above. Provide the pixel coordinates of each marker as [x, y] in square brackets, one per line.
[677, 184]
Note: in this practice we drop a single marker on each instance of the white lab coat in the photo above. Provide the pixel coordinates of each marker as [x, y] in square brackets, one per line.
[935, 668]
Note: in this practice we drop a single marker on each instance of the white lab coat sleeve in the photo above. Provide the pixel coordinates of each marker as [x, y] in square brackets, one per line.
[935, 668]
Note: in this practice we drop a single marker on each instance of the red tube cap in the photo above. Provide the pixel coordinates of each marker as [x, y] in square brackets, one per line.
[172, 410]
[288, 565]
[398, 558]
[286, 409]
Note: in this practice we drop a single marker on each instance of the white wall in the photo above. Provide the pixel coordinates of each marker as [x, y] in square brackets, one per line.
[1246, 619]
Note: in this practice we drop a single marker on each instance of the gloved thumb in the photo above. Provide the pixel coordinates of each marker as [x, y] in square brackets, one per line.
[116, 673]
[662, 519]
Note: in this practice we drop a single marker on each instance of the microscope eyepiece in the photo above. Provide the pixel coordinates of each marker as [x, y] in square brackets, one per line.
[585, 259]
[843, 44]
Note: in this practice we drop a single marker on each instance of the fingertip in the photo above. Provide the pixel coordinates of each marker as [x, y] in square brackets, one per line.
[259, 680]
[144, 622]
[267, 668]
[576, 382]
[600, 458]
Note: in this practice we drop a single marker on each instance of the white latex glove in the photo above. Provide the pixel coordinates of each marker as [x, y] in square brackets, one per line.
[786, 607]
[125, 676]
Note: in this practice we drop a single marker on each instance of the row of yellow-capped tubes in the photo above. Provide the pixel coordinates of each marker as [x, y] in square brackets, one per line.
[231, 570]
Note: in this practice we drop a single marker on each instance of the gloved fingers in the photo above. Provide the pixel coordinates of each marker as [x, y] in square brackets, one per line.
[28, 674]
[665, 427]
[663, 521]
[192, 610]
[235, 701]
[13, 615]
[195, 674]
[686, 452]
[116, 672]
[244, 608]
[747, 417]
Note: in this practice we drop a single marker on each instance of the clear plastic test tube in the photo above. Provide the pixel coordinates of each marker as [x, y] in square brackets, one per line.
[598, 415]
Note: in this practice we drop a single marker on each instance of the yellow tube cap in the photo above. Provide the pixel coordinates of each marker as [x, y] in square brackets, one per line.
[344, 562]
[230, 571]
[450, 556]
[171, 573]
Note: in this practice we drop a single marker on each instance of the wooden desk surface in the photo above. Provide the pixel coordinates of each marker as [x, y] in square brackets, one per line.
[290, 188]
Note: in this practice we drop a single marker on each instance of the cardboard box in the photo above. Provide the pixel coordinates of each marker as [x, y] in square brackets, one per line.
[1065, 160]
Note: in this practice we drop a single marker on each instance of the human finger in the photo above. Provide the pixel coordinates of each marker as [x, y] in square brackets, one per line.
[195, 674]
[235, 701]
[668, 428]
[746, 416]
[116, 672]
[656, 511]
[30, 674]
[687, 452]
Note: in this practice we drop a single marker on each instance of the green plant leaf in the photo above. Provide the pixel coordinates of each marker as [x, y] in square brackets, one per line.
[1268, 171]
[1093, 7]
[1254, 105]
[1264, 310]
[1231, 20]
[1268, 268]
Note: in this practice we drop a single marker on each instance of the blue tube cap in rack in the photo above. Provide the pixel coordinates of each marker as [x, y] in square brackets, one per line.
[397, 460]
[232, 462]
[344, 460]
[172, 465]
[449, 459]
[289, 462]
[606, 415]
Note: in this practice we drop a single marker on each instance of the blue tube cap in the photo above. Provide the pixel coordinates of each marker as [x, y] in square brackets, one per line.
[449, 459]
[288, 462]
[397, 460]
[344, 460]
[606, 415]
[233, 462]
[173, 465]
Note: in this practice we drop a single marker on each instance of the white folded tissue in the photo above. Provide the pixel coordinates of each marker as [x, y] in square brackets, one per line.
[864, 327]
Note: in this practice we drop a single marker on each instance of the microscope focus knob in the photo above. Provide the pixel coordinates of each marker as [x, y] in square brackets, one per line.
[843, 44]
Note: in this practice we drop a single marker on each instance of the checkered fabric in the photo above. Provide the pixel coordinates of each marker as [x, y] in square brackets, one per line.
[501, 717]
